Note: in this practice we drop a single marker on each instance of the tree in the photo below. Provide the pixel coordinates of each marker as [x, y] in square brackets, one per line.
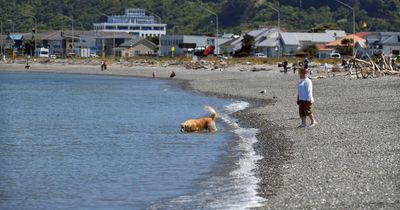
[310, 50]
[248, 43]
[346, 48]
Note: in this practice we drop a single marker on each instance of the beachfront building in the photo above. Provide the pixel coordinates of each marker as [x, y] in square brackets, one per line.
[83, 43]
[135, 22]
[266, 42]
[187, 45]
[387, 43]
[291, 42]
[136, 47]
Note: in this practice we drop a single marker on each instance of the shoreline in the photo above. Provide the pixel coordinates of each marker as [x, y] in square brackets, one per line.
[329, 166]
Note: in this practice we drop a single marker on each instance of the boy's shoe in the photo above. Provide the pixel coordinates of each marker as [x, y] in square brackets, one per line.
[302, 126]
[312, 125]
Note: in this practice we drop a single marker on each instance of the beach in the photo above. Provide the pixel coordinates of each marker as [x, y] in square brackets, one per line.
[350, 160]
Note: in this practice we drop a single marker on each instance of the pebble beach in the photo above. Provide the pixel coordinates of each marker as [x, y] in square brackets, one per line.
[350, 160]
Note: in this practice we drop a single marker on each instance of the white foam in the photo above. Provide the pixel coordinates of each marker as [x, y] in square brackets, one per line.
[246, 181]
[239, 189]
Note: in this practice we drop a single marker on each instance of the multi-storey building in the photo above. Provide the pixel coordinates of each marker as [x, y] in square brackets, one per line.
[134, 21]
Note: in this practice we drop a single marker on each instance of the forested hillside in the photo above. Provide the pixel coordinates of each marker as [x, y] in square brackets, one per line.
[184, 16]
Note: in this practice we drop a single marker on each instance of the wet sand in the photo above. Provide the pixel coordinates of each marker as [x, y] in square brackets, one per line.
[350, 160]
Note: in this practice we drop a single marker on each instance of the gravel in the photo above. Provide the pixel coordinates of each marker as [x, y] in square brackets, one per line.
[350, 160]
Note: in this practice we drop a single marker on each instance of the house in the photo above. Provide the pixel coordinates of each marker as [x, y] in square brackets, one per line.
[387, 43]
[62, 43]
[323, 51]
[291, 42]
[186, 45]
[358, 41]
[14, 41]
[338, 42]
[266, 41]
[231, 46]
[136, 46]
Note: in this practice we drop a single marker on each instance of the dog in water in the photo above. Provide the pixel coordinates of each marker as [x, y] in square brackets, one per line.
[200, 124]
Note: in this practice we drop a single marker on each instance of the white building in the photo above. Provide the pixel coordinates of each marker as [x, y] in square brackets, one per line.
[134, 21]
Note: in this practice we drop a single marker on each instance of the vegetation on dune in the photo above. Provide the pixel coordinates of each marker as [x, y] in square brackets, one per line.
[185, 16]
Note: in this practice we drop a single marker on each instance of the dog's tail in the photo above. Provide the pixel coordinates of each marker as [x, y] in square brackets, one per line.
[213, 113]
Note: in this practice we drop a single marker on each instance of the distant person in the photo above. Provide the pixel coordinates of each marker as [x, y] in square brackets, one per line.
[154, 74]
[305, 63]
[285, 66]
[102, 65]
[27, 66]
[172, 75]
[305, 99]
[105, 65]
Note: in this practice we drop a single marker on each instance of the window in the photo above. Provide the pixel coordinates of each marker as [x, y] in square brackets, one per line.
[146, 28]
[396, 52]
[110, 27]
[122, 27]
[134, 27]
[135, 33]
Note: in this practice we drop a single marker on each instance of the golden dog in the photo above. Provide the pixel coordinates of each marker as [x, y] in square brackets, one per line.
[204, 123]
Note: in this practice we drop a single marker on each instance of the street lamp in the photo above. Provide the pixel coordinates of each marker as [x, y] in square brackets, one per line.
[216, 18]
[354, 25]
[1, 36]
[72, 27]
[279, 16]
[279, 23]
[113, 36]
[159, 32]
[35, 29]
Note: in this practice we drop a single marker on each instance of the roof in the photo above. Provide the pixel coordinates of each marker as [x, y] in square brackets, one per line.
[293, 38]
[231, 42]
[256, 33]
[50, 35]
[336, 33]
[269, 42]
[322, 47]
[136, 41]
[338, 42]
[363, 34]
[16, 36]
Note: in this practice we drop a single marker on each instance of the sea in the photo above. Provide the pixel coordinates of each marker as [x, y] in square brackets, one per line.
[74, 141]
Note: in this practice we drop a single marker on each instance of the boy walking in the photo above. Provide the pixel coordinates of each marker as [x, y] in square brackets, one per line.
[305, 99]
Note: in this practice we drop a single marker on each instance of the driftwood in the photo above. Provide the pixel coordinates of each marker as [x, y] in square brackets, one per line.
[385, 65]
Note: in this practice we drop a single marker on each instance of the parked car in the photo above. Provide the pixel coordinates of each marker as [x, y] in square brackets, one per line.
[260, 55]
[94, 55]
[335, 55]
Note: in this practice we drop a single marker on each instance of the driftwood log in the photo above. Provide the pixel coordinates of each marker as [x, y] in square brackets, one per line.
[385, 65]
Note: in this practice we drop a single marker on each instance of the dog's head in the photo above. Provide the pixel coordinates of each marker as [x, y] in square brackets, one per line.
[189, 126]
[183, 126]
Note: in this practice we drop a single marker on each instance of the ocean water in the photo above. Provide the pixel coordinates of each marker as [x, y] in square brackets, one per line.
[101, 142]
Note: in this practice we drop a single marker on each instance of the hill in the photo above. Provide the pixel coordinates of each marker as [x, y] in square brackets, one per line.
[184, 16]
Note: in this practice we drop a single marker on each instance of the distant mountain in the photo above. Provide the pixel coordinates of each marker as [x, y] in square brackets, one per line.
[189, 17]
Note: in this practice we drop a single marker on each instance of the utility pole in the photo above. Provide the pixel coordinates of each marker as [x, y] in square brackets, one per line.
[216, 18]
[35, 30]
[159, 32]
[354, 25]
[1, 41]
[72, 28]
[279, 23]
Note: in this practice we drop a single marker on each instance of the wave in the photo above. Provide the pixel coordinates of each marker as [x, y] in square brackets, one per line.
[236, 189]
